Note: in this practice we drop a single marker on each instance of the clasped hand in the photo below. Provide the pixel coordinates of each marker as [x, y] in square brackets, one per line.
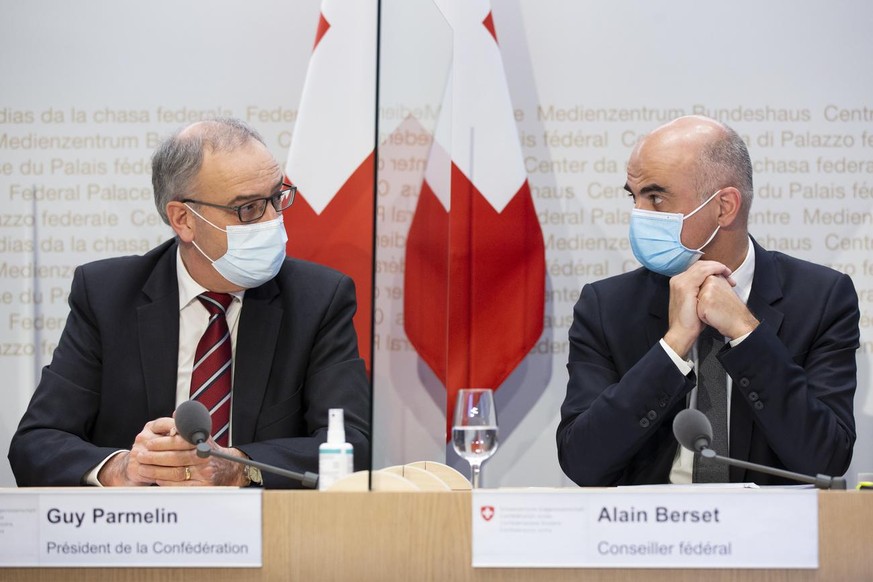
[159, 456]
[703, 295]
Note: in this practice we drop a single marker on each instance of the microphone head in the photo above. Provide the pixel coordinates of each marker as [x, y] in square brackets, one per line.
[193, 422]
[692, 430]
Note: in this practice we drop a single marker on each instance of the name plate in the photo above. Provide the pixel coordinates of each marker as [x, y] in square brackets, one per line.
[143, 527]
[645, 529]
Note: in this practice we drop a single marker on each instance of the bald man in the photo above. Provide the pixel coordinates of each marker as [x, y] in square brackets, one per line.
[790, 329]
[102, 412]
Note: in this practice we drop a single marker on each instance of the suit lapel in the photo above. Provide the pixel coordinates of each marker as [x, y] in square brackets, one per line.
[766, 291]
[158, 331]
[259, 324]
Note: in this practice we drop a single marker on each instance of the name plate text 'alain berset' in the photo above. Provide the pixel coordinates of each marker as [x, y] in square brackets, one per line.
[704, 528]
[156, 527]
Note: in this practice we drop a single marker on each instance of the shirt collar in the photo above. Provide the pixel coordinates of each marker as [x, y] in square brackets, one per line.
[744, 274]
[189, 289]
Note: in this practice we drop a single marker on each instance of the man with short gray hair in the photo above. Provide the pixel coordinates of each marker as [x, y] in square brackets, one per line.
[218, 314]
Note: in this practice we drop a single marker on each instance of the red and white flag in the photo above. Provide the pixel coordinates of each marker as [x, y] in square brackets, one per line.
[331, 160]
[475, 259]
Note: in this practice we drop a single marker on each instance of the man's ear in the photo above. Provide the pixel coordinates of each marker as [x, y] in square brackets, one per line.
[730, 203]
[181, 220]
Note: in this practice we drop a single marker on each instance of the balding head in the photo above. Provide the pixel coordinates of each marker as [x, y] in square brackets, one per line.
[178, 159]
[712, 153]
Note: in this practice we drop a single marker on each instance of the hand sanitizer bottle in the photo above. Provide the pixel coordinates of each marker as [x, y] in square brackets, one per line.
[336, 456]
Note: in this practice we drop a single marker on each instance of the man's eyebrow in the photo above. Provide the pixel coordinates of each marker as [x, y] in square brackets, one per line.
[243, 198]
[647, 189]
[652, 188]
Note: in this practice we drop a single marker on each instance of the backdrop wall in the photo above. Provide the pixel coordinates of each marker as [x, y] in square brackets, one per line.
[88, 89]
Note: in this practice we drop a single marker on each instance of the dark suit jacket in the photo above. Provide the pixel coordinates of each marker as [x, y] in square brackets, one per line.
[116, 363]
[793, 377]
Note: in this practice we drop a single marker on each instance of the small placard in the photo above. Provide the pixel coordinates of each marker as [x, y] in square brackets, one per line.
[645, 529]
[152, 527]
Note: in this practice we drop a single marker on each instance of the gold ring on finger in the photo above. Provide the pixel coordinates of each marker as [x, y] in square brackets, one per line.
[187, 473]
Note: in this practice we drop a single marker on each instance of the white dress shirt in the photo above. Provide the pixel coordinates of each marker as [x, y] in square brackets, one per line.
[193, 319]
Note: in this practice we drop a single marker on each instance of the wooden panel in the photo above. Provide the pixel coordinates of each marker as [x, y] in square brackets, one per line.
[452, 477]
[311, 536]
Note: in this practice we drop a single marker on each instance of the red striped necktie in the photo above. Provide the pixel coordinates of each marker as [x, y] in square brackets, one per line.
[211, 377]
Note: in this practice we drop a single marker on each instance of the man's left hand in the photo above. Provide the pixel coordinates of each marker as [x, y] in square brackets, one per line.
[719, 307]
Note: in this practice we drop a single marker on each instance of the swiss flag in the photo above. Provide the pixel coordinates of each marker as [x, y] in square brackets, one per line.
[475, 259]
[331, 160]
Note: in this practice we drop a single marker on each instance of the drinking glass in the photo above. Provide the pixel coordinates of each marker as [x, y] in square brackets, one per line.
[474, 431]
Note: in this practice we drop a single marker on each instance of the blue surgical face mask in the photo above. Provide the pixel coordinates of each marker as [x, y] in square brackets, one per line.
[255, 252]
[656, 239]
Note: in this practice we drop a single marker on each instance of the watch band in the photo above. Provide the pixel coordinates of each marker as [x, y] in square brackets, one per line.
[253, 475]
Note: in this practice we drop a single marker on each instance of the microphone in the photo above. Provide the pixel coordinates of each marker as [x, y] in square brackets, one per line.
[694, 432]
[193, 423]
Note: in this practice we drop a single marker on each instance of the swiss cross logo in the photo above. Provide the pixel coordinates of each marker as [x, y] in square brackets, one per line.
[487, 512]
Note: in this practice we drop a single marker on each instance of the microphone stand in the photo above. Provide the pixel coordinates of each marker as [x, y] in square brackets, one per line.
[308, 479]
[820, 481]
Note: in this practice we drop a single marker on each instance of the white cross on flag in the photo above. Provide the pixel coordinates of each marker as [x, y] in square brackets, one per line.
[475, 259]
[331, 159]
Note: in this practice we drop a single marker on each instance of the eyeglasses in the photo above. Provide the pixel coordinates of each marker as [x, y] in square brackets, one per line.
[254, 209]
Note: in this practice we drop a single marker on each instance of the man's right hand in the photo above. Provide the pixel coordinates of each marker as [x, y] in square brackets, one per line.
[684, 322]
[123, 469]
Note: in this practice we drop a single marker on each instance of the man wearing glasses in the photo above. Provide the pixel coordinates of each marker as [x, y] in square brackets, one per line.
[219, 315]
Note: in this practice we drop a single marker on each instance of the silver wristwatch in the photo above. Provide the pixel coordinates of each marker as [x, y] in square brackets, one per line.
[253, 475]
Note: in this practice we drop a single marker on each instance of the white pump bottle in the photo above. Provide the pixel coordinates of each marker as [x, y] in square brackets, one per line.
[336, 456]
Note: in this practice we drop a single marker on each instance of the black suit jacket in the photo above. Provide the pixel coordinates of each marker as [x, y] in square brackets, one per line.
[116, 363]
[793, 378]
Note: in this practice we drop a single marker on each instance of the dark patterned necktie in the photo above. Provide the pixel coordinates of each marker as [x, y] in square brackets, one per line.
[712, 401]
[211, 377]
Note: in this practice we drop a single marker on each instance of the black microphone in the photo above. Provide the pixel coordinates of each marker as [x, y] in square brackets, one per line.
[694, 432]
[193, 423]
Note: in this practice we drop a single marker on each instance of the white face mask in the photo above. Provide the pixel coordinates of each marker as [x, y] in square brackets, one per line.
[255, 251]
